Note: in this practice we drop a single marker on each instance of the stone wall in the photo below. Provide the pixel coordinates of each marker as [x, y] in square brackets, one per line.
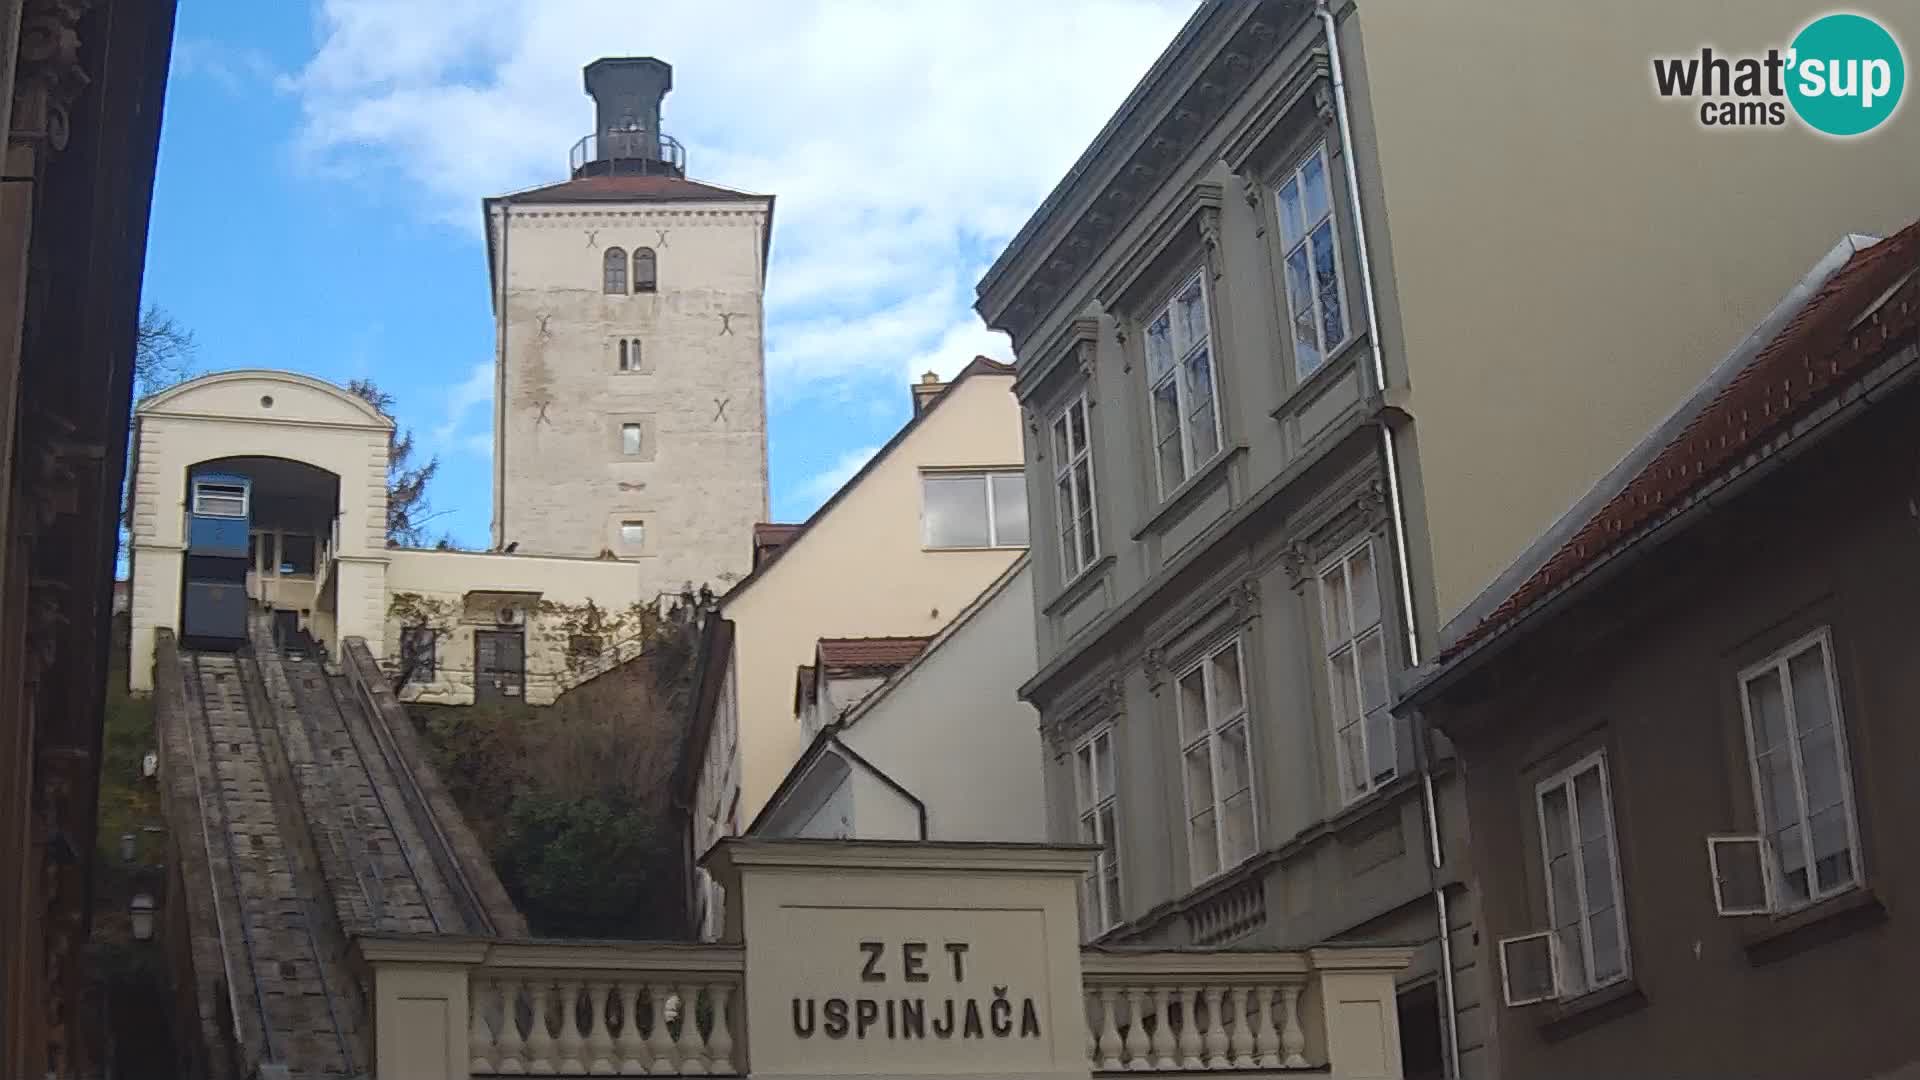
[699, 482]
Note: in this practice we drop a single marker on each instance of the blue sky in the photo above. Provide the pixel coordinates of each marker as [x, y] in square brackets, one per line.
[321, 166]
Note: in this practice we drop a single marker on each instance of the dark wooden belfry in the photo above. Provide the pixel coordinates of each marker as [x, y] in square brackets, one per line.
[626, 138]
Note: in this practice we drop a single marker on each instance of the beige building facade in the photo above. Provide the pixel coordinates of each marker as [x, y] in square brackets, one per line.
[1579, 208]
[242, 422]
[630, 411]
[940, 749]
[867, 564]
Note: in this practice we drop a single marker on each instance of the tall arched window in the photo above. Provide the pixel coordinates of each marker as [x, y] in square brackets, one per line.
[645, 270]
[614, 272]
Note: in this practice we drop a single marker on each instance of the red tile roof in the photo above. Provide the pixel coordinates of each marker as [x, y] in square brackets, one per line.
[868, 655]
[651, 188]
[1812, 357]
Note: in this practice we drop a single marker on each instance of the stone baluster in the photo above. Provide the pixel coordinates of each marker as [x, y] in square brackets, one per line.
[720, 1044]
[1164, 1046]
[1242, 1028]
[599, 1039]
[693, 1050]
[1190, 1029]
[569, 1044]
[512, 1049]
[659, 1039]
[1216, 1033]
[1137, 1045]
[1293, 1041]
[479, 1039]
[539, 1038]
[632, 1044]
[1266, 1041]
[1109, 1031]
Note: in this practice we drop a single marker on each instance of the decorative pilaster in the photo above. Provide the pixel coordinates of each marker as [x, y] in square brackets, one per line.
[1210, 239]
[48, 77]
[1153, 662]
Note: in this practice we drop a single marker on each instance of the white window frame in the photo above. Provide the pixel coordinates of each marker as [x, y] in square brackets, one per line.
[1297, 176]
[226, 489]
[1564, 779]
[1210, 736]
[1090, 801]
[1553, 968]
[1332, 650]
[1769, 901]
[1782, 900]
[1075, 556]
[986, 477]
[1190, 462]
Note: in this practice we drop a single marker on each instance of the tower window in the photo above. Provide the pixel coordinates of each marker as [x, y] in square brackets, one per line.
[645, 270]
[630, 439]
[629, 349]
[614, 272]
[633, 534]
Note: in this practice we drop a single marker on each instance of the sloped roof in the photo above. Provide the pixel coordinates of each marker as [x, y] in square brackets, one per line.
[1873, 300]
[769, 538]
[868, 655]
[629, 188]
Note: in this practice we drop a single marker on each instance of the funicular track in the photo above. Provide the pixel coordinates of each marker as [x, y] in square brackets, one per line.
[279, 962]
[306, 816]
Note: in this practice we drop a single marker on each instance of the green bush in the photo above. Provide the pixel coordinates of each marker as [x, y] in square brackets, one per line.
[582, 866]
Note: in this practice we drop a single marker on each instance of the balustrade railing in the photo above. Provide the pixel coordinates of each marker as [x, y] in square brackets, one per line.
[532, 1008]
[604, 1011]
[1177, 1011]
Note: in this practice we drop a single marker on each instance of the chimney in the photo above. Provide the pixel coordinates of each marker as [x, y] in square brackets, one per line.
[925, 391]
[626, 94]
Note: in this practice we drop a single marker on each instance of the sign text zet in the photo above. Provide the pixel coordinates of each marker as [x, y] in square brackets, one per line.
[916, 1013]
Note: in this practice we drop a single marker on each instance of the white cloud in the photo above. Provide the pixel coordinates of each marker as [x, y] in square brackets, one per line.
[905, 141]
[819, 487]
[461, 400]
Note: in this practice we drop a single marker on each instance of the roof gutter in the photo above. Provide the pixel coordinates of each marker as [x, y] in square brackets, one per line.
[1892, 374]
[1396, 507]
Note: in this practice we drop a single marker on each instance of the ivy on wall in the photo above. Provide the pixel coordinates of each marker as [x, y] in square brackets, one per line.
[571, 799]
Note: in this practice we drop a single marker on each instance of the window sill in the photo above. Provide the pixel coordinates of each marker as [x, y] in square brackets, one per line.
[1814, 925]
[1343, 360]
[1574, 1015]
[987, 547]
[1082, 584]
[1184, 495]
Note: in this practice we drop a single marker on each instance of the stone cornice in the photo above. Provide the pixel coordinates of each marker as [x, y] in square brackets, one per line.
[1062, 242]
[893, 856]
[1079, 342]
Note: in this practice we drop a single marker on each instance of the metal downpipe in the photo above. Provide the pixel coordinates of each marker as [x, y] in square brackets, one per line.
[1397, 509]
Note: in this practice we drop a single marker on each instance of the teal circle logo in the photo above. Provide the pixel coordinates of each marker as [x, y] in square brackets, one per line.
[1846, 74]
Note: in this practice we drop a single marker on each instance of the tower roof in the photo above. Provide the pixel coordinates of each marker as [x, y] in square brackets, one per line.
[655, 187]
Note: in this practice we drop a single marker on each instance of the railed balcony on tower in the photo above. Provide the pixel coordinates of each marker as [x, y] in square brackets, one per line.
[627, 140]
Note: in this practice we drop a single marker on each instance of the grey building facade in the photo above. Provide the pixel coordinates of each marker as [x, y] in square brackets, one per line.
[1327, 325]
[1219, 598]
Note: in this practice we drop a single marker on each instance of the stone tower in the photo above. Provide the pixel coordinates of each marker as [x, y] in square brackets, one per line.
[630, 410]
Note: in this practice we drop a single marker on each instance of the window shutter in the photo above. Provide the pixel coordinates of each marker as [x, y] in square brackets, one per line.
[1529, 968]
[1742, 875]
